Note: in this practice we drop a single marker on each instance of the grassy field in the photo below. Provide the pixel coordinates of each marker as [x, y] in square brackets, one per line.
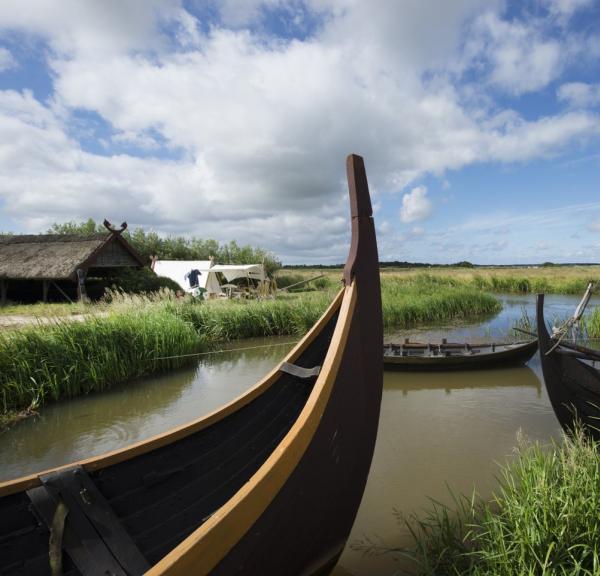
[547, 279]
[542, 520]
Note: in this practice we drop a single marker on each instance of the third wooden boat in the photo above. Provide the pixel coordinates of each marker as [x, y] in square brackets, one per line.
[572, 379]
[416, 356]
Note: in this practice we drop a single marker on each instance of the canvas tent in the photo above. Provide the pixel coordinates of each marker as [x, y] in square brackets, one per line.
[233, 271]
[177, 270]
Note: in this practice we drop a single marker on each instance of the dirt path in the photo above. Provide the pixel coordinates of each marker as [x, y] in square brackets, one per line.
[16, 320]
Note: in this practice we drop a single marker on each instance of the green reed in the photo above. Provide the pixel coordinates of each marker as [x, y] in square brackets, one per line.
[542, 520]
[592, 324]
[65, 359]
[430, 299]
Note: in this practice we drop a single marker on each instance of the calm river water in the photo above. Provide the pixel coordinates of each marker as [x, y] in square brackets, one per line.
[436, 430]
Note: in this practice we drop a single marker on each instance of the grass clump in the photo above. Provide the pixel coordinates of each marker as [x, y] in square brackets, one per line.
[66, 359]
[542, 520]
[592, 324]
[427, 298]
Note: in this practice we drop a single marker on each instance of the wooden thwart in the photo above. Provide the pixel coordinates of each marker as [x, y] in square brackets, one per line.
[93, 536]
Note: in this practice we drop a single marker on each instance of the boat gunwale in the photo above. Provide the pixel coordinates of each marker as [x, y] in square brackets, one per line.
[202, 550]
[177, 433]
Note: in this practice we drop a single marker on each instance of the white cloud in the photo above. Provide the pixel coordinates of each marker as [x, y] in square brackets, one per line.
[261, 125]
[415, 205]
[7, 61]
[566, 8]
[520, 55]
[580, 94]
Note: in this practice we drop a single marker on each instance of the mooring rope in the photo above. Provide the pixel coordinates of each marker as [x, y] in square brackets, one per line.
[223, 350]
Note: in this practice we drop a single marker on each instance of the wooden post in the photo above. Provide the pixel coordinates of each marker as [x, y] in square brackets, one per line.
[3, 291]
[81, 293]
[45, 285]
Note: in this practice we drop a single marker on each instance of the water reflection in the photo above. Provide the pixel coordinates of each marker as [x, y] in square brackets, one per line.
[520, 376]
[99, 423]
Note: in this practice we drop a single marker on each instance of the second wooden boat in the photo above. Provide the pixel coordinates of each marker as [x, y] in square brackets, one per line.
[268, 485]
[572, 379]
[416, 356]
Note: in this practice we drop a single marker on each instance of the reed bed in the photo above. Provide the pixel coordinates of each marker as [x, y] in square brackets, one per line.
[430, 299]
[518, 280]
[66, 359]
[542, 520]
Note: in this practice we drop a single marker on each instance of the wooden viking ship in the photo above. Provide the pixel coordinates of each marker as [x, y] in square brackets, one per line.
[269, 484]
[415, 356]
[572, 379]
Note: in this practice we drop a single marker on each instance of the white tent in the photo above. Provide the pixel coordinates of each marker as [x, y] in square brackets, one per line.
[177, 270]
[233, 271]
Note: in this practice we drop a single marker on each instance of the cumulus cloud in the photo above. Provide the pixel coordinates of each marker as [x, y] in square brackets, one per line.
[415, 205]
[235, 130]
[521, 58]
[566, 8]
[579, 94]
[7, 61]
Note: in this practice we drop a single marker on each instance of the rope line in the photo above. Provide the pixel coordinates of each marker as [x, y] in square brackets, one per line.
[223, 350]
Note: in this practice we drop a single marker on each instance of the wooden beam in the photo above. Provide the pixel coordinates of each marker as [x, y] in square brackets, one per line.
[81, 292]
[3, 291]
[45, 285]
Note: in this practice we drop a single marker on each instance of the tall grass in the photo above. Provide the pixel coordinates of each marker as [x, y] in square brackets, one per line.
[543, 519]
[66, 359]
[592, 324]
[430, 299]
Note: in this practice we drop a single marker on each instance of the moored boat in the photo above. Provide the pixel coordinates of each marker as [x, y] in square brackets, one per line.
[417, 356]
[269, 484]
[572, 379]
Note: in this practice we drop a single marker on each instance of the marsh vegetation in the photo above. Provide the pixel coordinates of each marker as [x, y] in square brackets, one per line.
[542, 519]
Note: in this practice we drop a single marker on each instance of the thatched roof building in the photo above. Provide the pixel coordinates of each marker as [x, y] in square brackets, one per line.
[56, 257]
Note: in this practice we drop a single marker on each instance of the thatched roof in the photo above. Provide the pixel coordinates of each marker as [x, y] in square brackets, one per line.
[57, 256]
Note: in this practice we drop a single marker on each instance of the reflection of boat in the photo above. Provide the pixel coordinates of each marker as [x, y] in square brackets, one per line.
[515, 377]
[454, 356]
[268, 484]
[571, 377]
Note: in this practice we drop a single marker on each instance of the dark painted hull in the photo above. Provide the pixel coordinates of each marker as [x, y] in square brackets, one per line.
[457, 358]
[268, 485]
[572, 382]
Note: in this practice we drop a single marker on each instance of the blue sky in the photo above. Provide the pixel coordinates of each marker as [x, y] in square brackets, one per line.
[479, 122]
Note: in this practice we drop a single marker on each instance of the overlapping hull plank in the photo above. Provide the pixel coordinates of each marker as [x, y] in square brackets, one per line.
[269, 484]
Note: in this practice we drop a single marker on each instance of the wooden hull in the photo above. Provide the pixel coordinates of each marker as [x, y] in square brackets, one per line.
[572, 381]
[457, 358]
[269, 484]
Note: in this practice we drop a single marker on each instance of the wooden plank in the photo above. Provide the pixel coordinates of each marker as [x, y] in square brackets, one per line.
[93, 536]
